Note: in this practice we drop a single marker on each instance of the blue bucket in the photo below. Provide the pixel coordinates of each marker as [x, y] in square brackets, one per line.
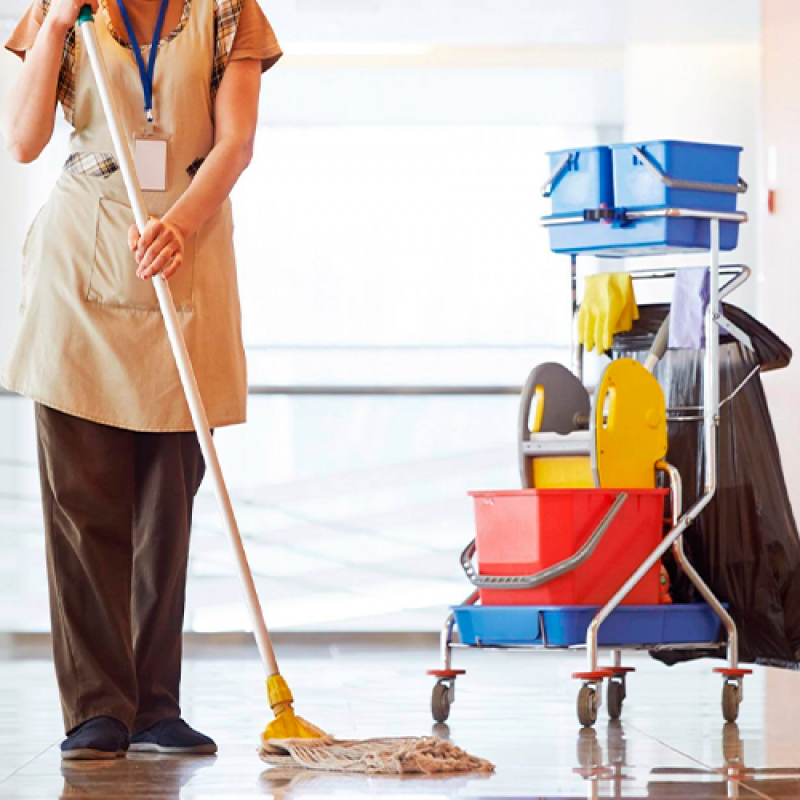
[580, 178]
[643, 172]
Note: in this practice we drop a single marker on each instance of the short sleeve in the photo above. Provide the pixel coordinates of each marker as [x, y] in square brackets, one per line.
[232, 17]
[24, 35]
[255, 38]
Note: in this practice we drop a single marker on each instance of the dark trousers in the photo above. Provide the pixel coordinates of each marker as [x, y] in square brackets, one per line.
[117, 513]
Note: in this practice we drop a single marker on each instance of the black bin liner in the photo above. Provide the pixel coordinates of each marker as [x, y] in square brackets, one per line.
[745, 544]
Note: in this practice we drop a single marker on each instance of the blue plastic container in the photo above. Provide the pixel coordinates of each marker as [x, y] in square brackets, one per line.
[658, 236]
[581, 178]
[636, 185]
[563, 626]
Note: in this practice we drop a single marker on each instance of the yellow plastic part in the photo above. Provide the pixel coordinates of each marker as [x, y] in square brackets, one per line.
[630, 427]
[608, 307]
[286, 725]
[562, 472]
[539, 412]
[278, 691]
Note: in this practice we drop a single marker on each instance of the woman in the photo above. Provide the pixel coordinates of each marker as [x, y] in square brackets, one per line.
[119, 462]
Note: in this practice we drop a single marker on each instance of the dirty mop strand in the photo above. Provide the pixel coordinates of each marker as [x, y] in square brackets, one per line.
[396, 756]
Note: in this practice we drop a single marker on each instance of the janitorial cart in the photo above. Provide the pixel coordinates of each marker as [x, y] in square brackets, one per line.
[573, 559]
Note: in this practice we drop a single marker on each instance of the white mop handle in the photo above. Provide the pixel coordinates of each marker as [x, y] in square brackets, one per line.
[179, 350]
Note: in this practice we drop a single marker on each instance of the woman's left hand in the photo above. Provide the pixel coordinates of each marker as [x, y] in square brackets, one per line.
[158, 250]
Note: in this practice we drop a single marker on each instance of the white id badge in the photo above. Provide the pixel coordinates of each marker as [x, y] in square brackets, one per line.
[150, 157]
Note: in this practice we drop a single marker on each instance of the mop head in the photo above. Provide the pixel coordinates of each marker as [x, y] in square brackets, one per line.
[397, 756]
[291, 741]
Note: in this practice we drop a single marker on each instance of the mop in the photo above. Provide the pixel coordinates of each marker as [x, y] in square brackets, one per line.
[287, 733]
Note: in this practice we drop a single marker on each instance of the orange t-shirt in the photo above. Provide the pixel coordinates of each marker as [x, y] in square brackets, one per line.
[254, 39]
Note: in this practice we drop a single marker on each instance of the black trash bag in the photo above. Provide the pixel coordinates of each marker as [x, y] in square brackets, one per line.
[745, 544]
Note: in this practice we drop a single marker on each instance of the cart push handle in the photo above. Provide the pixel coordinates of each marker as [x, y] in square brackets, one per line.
[549, 574]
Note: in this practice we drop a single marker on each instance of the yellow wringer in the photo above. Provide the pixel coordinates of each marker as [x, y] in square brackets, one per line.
[611, 442]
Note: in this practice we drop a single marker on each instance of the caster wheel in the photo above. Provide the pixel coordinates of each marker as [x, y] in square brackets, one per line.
[440, 702]
[587, 706]
[730, 701]
[615, 698]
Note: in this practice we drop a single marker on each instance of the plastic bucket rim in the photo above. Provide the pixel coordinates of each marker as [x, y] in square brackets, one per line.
[681, 142]
[491, 493]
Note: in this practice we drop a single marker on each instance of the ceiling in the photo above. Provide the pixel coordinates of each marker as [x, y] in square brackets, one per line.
[503, 22]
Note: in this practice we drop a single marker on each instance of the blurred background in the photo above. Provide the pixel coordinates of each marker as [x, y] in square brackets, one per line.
[397, 286]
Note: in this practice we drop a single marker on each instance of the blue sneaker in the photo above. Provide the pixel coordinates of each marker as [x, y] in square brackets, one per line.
[172, 735]
[97, 738]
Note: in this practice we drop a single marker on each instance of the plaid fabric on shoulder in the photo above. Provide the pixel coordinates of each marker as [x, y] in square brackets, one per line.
[66, 76]
[95, 165]
[226, 22]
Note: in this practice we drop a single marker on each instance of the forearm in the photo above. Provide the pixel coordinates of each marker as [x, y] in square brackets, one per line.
[211, 186]
[29, 115]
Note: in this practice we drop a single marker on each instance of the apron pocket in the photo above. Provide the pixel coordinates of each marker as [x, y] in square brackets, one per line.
[113, 281]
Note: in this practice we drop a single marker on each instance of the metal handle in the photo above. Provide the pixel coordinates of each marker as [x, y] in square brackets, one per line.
[558, 173]
[179, 349]
[659, 346]
[696, 186]
[546, 575]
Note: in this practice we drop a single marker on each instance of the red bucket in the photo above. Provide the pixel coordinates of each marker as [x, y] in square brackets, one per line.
[524, 532]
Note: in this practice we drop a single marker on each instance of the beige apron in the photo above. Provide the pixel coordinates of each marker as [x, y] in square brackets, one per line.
[92, 341]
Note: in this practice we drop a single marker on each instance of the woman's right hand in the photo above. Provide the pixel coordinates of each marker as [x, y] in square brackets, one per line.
[63, 14]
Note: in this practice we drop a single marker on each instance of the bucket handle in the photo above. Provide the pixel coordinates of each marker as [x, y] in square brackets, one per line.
[676, 183]
[558, 173]
[546, 575]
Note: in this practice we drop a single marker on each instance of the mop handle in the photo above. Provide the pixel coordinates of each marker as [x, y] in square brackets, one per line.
[179, 350]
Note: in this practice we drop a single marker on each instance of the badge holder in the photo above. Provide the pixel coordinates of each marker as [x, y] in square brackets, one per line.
[150, 151]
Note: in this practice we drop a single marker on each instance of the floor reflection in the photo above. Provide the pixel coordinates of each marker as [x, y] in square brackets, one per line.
[516, 710]
[139, 774]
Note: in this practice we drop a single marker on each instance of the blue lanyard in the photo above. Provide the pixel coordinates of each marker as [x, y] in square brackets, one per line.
[147, 72]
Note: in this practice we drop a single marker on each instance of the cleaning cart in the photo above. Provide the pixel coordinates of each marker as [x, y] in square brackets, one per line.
[573, 560]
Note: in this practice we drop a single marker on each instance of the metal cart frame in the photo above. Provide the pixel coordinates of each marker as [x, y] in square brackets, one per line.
[590, 694]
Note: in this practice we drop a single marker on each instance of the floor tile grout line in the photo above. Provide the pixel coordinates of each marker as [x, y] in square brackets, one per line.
[716, 770]
[26, 764]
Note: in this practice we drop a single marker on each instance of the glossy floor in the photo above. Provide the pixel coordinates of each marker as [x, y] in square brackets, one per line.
[516, 709]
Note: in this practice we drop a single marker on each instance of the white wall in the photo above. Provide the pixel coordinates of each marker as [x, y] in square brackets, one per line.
[779, 287]
[706, 92]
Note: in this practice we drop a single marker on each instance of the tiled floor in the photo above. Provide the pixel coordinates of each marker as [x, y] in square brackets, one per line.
[516, 709]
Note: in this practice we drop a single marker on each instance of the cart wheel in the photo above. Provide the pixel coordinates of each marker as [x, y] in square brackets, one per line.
[730, 701]
[616, 696]
[440, 702]
[587, 706]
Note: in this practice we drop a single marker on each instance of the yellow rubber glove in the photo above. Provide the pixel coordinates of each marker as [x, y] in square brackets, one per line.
[608, 307]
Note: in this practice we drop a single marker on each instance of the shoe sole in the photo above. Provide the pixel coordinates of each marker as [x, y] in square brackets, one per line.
[87, 754]
[198, 750]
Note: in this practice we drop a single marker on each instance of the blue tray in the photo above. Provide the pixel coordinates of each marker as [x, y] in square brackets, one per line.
[643, 237]
[562, 626]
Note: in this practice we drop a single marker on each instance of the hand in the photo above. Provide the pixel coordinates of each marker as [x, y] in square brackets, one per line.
[63, 14]
[158, 250]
